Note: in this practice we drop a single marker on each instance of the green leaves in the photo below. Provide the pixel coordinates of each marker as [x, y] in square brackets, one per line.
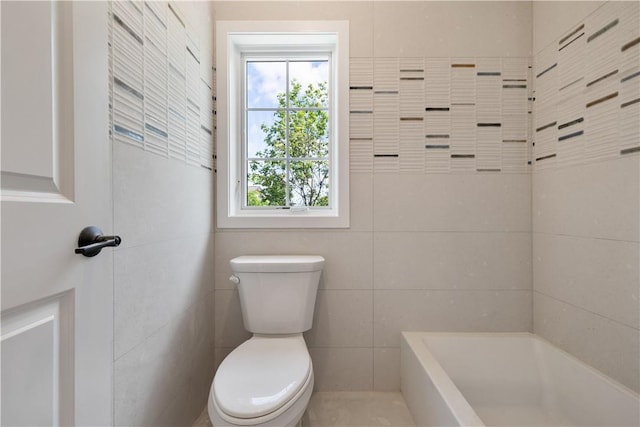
[299, 136]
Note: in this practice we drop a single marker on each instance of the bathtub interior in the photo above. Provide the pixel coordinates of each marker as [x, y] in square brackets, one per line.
[519, 379]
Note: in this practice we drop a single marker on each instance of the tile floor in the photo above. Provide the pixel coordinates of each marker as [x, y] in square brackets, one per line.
[349, 409]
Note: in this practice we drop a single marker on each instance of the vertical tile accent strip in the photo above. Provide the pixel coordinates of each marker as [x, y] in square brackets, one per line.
[160, 100]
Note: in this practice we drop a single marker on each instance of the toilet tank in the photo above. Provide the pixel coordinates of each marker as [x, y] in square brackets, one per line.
[277, 293]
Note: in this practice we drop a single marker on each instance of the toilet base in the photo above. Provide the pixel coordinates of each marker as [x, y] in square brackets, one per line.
[289, 417]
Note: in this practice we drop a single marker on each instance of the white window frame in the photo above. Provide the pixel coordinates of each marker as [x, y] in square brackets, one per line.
[237, 38]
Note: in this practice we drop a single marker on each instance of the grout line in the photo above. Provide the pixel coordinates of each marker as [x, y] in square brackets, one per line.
[545, 233]
[586, 310]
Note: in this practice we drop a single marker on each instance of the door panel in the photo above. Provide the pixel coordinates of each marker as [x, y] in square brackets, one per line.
[37, 78]
[57, 306]
[37, 363]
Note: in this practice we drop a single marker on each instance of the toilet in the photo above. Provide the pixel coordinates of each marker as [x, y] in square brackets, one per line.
[267, 381]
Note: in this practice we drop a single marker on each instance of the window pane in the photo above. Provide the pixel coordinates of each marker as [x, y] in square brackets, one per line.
[308, 83]
[266, 134]
[266, 183]
[265, 81]
[308, 134]
[309, 182]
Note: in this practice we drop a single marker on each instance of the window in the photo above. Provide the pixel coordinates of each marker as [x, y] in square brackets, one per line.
[282, 124]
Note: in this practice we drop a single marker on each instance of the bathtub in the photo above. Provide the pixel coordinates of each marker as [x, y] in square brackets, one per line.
[506, 379]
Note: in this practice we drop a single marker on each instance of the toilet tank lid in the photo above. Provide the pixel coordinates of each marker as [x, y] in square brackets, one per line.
[277, 263]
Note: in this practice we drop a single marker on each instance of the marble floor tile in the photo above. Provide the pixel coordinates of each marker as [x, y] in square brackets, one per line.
[357, 409]
[349, 409]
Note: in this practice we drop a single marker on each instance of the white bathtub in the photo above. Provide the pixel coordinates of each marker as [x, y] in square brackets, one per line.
[506, 379]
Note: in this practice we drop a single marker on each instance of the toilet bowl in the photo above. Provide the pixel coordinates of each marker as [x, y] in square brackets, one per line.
[267, 381]
[263, 382]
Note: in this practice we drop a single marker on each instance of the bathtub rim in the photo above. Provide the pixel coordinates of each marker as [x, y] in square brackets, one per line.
[415, 336]
[457, 404]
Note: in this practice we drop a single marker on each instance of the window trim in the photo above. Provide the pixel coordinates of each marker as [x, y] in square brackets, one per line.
[233, 38]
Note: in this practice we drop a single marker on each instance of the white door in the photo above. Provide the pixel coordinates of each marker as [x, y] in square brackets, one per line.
[57, 327]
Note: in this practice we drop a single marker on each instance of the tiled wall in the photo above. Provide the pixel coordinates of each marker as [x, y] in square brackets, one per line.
[586, 182]
[439, 115]
[434, 243]
[162, 190]
[161, 82]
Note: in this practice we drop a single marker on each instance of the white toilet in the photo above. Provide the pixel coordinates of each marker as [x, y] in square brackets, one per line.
[267, 381]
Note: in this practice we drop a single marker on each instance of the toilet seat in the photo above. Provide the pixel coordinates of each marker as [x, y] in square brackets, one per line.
[262, 377]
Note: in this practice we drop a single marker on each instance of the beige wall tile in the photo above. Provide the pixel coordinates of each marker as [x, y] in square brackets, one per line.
[219, 354]
[448, 311]
[342, 319]
[229, 326]
[173, 360]
[359, 15]
[436, 260]
[599, 200]
[452, 202]
[150, 203]
[342, 369]
[444, 29]
[361, 201]
[348, 254]
[608, 346]
[554, 18]
[156, 283]
[386, 369]
[600, 276]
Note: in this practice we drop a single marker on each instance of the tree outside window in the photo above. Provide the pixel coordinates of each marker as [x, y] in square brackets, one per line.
[287, 134]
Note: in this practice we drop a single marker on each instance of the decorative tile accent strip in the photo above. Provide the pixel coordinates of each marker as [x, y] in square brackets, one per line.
[128, 88]
[572, 83]
[550, 156]
[582, 34]
[547, 70]
[128, 29]
[175, 13]
[463, 156]
[571, 135]
[129, 133]
[436, 147]
[541, 128]
[626, 104]
[603, 30]
[155, 130]
[601, 100]
[630, 76]
[632, 43]
[160, 99]
[630, 150]
[599, 79]
[571, 123]
[571, 34]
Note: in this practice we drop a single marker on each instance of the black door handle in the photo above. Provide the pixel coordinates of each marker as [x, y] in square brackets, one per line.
[91, 241]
